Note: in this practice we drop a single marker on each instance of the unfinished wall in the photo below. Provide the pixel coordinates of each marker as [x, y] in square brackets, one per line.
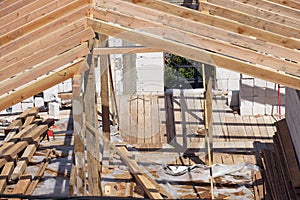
[293, 118]
[254, 96]
[259, 97]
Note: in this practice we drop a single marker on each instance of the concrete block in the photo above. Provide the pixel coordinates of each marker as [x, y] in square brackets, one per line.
[233, 84]
[27, 105]
[259, 110]
[260, 83]
[247, 92]
[259, 101]
[271, 100]
[29, 100]
[50, 94]
[245, 110]
[67, 86]
[227, 74]
[247, 82]
[39, 102]
[17, 108]
[222, 84]
[60, 88]
[53, 108]
[271, 92]
[259, 91]
[271, 85]
[246, 102]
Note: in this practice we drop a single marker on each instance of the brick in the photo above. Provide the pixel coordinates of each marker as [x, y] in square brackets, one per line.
[246, 76]
[246, 102]
[29, 100]
[247, 83]
[271, 92]
[271, 85]
[247, 92]
[222, 84]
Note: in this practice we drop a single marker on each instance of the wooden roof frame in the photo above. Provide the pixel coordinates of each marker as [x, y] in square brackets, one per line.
[36, 34]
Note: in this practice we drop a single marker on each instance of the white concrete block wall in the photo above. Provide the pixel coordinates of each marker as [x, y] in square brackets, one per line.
[150, 73]
[293, 118]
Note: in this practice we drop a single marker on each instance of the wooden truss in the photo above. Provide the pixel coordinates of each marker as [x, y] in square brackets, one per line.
[44, 42]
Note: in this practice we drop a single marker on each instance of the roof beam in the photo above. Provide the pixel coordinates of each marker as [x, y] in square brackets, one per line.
[10, 6]
[222, 29]
[63, 21]
[34, 10]
[46, 53]
[290, 3]
[43, 68]
[41, 84]
[197, 40]
[250, 20]
[39, 22]
[194, 53]
[124, 50]
[274, 7]
[259, 12]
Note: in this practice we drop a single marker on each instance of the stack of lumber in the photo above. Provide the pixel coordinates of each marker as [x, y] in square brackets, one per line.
[22, 139]
[281, 166]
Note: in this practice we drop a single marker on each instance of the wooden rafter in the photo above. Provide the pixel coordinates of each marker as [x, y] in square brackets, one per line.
[43, 68]
[250, 20]
[124, 50]
[197, 40]
[291, 3]
[42, 84]
[227, 26]
[194, 53]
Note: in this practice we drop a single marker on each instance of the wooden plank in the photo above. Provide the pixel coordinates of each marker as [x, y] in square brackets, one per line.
[148, 122]
[274, 7]
[155, 123]
[103, 42]
[170, 118]
[196, 54]
[47, 8]
[44, 68]
[259, 11]
[208, 123]
[92, 138]
[288, 148]
[19, 136]
[5, 175]
[18, 147]
[8, 7]
[240, 29]
[46, 53]
[291, 3]
[124, 50]
[250, 20]
[42, 31]
[19, 12]
[129, 70]
[40, 85]
[248, 128]
[202, 39]
[32, 114]
[140, 119]
[22, 185]
[79, 135]
[176, 109]
[128, 118]
[5, 38]
[24, 160]
[151, 188]
[17, 122]
[39, 173]
[162, 119]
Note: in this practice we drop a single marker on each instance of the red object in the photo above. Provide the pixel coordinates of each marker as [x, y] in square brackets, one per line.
[50, 133]
[279, 102]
